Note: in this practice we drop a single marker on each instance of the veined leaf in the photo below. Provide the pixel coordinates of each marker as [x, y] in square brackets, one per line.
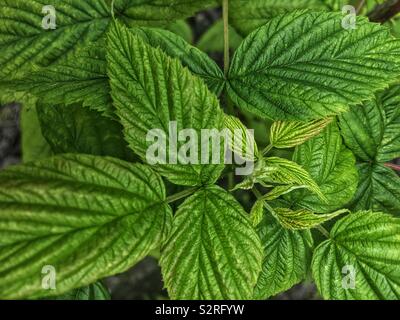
[372, 130]
[288, 134]
[213, 251]
[212, 41]
[182, 29]
[257, 213]
[305, 65]
[194, 59]
[75, 129]
[34, 145]
[378, 189]
[25, 42]
[333, 168]
[278, 191]
[247, 16]
[361, 260]
[303, 219]
[151, 91]
[95, 291]
[287, 257]
[87, 217]
[247, 147]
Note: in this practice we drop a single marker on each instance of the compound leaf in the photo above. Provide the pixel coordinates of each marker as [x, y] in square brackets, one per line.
[87, 217]
[287, 257]
[213, 251]
[304, 65]
[152, 94]
[361, 259]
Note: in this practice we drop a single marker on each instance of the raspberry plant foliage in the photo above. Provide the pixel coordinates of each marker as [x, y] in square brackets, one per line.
[86, 201]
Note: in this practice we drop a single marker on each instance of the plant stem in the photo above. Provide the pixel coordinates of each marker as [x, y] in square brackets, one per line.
[266, 205]
[225, 10]
[180, 195]
[323, 231]
[393, 166]
[360, 6]
[385, 11]
[267, 149]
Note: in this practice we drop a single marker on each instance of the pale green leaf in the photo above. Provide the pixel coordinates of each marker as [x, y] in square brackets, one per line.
[75, 129]
[241, 140]
[303, 219]
[287, 257]
[278, 191]
[257, 213]
[367, 243]
[333, 168]
[247, 16]
[304, 66]
[151, 91]
[288, 134]
[182, 29]
[88, 217]
[213, 251]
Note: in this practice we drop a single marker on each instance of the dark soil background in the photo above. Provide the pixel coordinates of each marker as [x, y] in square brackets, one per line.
[144, 280]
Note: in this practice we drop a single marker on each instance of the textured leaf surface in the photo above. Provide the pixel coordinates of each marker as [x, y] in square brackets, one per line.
[303, 219]
[24, 42]
[95, 291]
[86, 216]
[74, 129]
[247, 16]
[333, 168]
[378, 189]
[370, 243]
[194, 59]
[150, 91]
[287, 256]
[288, 134]
[304, 66]
[213, 251]
[372, 130]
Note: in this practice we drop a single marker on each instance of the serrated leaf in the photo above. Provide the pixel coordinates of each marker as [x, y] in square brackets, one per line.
[378, 189]
[195, 60]
[152, 91]
[333, 168]
[303, 219]
[365, 245]
[213, 251]
[304, 66]
[288, 134]
[95, 291]
[278, 191]
[241, 140]
[34, 145]
[287, 256]
[75, 129]
[372, 130]
[212, 41]
[247, 16]
[88, 217]
[257, 213]
[24, 42]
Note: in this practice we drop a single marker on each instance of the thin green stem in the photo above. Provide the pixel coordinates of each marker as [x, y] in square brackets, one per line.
[321, 229]
[112, 9]
[266, 205]
[180, 195]
[225, 13]
[267, 149]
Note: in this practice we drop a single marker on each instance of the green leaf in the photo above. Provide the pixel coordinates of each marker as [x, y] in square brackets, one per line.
[304, 66]
[247, 16]
[151, 91]
[195, 60]
[288, 134]
[95, 291]
[372, 130]
[80, 77]
[24, 42]
[367, 243]
[182, 29]
[333, 168]
[74, 129]
[88, 217]
[287, 256]
[213, 251]
[378, 189]
[247, 147]
[303, 219]
[257, 213]
[280, 191]
[34, 145]
[213, 41]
